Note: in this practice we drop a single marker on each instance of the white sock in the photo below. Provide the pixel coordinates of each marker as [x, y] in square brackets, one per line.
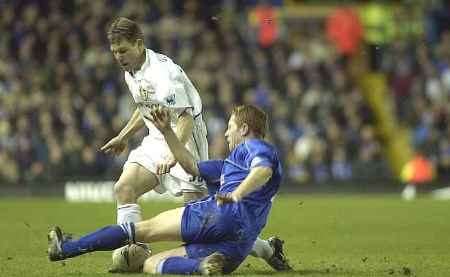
[128, 213]
[261, 249]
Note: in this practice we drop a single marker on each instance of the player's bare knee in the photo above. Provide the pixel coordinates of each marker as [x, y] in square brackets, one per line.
[124, 193]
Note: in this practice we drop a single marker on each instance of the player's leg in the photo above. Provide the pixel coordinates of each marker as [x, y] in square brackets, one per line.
[175, 261]
[271, 251]
[107, 238]
[166, 226]
[261, 249]
[190, 224]
[204, 228]
[134, 181]
[163, 227]
[152, 264]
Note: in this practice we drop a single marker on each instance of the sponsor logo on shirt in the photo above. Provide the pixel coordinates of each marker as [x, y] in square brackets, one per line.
[170, 100]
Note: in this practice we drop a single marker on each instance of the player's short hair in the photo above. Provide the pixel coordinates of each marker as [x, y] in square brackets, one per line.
[124, 28]
[255, 118]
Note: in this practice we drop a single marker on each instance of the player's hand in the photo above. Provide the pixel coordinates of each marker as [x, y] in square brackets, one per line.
[166, 165]
[160, 117]
[115, 146]
[226, 198]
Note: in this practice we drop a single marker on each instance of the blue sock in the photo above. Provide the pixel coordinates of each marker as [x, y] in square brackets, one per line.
[108, 238]
[179, 265]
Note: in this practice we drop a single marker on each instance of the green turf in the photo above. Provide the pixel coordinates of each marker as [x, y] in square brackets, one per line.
[326, 236]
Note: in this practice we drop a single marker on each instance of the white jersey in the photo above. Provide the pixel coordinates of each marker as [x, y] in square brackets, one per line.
[160, 81]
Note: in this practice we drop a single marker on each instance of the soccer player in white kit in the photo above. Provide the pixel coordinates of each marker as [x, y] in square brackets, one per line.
[154, 79]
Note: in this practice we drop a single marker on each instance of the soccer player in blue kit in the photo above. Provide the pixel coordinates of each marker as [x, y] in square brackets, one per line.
[219, 230]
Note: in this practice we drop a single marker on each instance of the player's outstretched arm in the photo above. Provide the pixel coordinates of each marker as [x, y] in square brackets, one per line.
[134, 124]
[161, 119]
[118, 143]
[257, 177]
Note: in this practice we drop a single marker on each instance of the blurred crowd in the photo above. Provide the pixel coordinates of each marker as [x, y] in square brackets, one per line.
[62, 97]
[420, 83]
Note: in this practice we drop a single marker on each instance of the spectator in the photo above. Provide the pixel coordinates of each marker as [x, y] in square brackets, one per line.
[60, 97]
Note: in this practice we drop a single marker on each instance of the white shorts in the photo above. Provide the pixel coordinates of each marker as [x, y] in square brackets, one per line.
[153, 151]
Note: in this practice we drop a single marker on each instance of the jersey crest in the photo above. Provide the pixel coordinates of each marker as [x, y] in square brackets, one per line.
[145, 93]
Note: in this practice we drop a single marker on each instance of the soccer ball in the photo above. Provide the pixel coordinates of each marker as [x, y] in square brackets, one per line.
[129, 258]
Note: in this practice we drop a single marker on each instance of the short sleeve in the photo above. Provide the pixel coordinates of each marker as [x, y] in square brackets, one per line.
[168, 80]
[260, 155]
[174, 92]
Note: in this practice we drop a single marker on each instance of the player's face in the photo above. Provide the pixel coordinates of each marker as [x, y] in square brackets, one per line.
[128, 54]
[233, 135]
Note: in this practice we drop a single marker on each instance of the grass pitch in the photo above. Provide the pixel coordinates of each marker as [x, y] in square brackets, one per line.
[325, 236]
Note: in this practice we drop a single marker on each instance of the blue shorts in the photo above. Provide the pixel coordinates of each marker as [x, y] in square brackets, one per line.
[207, 228]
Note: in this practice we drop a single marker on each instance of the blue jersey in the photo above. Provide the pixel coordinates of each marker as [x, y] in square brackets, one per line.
[228, 174]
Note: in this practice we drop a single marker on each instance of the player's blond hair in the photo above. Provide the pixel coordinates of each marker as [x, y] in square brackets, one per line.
[255, 118]
[124, 28]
